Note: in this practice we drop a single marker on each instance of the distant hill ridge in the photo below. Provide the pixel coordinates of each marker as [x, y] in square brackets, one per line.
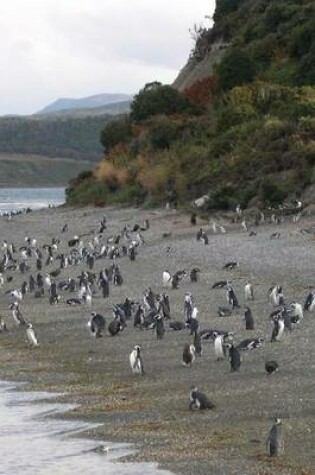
[89, 102]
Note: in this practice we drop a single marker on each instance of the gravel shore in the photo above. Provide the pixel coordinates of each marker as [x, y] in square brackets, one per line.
[152, 410]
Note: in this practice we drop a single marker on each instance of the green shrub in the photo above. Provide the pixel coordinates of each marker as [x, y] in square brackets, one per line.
[116, 132]
[236, 68]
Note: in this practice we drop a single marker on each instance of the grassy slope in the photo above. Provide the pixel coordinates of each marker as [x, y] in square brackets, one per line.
[32, 170]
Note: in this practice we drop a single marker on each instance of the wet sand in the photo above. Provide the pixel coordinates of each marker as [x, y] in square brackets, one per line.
[152, 410]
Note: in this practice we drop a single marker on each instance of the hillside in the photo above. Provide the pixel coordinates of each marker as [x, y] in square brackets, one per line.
[89, 102]
[30, 170]
[238, 125]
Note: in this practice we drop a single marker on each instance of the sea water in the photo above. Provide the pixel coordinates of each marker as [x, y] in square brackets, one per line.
[20, 199]
[34, 443]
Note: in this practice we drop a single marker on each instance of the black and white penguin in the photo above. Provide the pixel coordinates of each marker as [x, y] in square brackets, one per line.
[197, 344]
[219, 346]
[250, 343]
[53, 294]
[193, 275]
[167, 279]
[309, 304]
[231, 296]
[188, 307]
[199, 401]
[138, 318]
[276, 295]
[295, 312]
[103, 283]
[278, 328]
[231, 265]
[234, 357]
[135, 360]
[274, 442]
[160, 329]
[31, 337]
[17, 315]
[271, 366]
[189, 354]
[115, 326]
[177, 326]
[193, 324]
[249, 321]
[220, 284]
[164, 306]
[249, 291]
[193, 219]
[96, 324]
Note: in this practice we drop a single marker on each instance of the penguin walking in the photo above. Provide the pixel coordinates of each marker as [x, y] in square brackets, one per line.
[274, 442]
[17, 315]
[167, 279]
[309, 304]
[276, 295]
[96, 324]
[219, 347]
[197, 344]
[193, 275]
[234, 358]
[231, 296]
[249, 321]
[249, 291]
[278, 328]
[31, 337]
[189, 354]
[135, 360]
[296, 312]
[199, 401]
[271, 366]
[159, 328]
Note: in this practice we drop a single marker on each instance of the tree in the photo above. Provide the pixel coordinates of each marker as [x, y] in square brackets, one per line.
[116, 132]
[236, 68]
[158, 99]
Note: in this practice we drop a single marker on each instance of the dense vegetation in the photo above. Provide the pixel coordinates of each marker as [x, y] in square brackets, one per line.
[245, 134]
[71, 137]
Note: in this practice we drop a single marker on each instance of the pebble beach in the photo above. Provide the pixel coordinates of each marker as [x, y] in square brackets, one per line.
[152, 410]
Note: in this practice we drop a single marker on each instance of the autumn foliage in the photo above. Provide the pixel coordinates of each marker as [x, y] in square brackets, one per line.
[202, 92]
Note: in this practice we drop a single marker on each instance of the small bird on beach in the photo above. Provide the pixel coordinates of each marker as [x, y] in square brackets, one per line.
[271, 366]
[96, 324]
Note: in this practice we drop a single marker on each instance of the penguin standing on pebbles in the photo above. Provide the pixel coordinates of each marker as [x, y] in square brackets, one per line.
[160, 329]
[231, 296]
[189, 354]
[249, 321]
[199, 401]
[274, 442]
[135, 360]
[249, 291]
[234, 358]
[309, 304]
[197, 344]
[278, 328]
[31, 337]
[219, 347]
[96, 324]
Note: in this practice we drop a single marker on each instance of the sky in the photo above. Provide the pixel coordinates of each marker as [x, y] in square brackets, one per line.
[76, 48]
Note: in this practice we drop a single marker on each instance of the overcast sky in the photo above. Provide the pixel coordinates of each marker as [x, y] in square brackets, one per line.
[76, 48]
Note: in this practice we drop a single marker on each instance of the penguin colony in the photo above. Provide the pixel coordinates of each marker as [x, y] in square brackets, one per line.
[95, 262]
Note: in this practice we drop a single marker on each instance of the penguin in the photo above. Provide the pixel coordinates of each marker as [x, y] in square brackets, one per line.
[231, 265]
[220, 284]
[234, 358]
[249, 291]
[296, 312]
[193, 275]
[31, 337]
[309, 304]
[278, 328]
[274, 442]
[17, 316]
[138, 318]
[3, 325]
[53, 294]
[199, 401]
[276, 295]
[193, 323]
[231, 296]
[271, 367]
[135, 360]
[96, 324]
[114, 327]
[250, 343]
[193, 219]
[177, 326]
[197, 344]
[189, 354]
[159, 328]
[249, 321]
[167, 279]
[219, 347]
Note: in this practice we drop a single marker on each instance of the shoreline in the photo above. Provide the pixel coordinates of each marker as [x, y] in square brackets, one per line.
[152, 411]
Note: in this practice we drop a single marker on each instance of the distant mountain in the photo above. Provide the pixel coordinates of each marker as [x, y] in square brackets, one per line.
[89, 102]
[115, 108]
